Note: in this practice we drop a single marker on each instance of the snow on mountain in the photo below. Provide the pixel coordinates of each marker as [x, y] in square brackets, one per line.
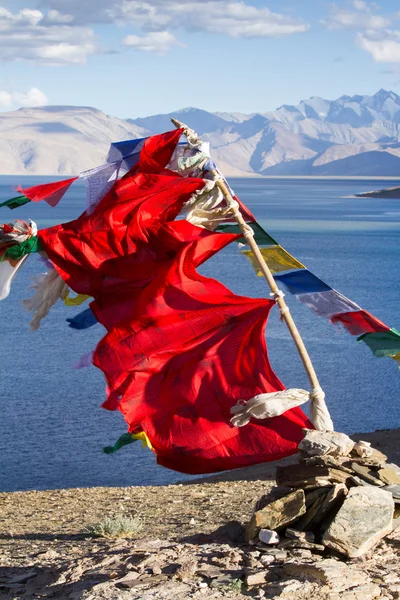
[353, 135]
[314, 136]
[59, 140]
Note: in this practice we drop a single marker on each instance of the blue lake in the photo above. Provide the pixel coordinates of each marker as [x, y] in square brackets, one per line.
[52, 428]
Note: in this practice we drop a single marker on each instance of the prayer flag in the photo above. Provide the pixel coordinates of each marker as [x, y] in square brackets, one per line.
[49, 192]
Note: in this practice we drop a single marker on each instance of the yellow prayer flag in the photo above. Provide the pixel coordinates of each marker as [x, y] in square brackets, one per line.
[396, 357]
[277, 259]
[143, 438]
[77, 301]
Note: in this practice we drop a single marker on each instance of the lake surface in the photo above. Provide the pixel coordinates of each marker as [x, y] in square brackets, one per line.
[52, 429]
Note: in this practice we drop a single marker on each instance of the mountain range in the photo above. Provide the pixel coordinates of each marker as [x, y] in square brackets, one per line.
[353, 135]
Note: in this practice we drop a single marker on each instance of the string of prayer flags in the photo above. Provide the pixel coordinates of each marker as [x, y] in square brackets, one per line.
[276, 258]
[383, 343]
[49, 192]
[318, 296]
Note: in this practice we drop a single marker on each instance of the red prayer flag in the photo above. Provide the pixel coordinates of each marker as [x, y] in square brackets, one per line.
[359, 322]
[181, 349]
[49, 192]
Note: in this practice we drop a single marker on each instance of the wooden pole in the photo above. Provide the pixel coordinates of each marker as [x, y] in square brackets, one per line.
[319, 412]
[283, 307]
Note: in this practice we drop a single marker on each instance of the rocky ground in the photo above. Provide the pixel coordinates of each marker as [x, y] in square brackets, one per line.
[190, 546]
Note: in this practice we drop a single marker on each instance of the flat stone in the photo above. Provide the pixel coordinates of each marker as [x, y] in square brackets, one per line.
[394, 490]
[375, 459]
[323, 506]
[23, 578]
[303, 475]
[128, 581]
[329, 572]
[389, 476]
[367, 474]
[296, 534]
[257, 578]
[143, 581]
[364, 518]
[312, 495]
[266, 536]
[369, 591]
[273, 494]
[329, 461]
[318, 443]
[290, 543]
[277, 514]
[359, 482]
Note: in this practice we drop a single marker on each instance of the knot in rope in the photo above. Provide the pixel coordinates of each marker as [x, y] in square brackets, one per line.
[277, 294]
[319, 412]
[248, 231]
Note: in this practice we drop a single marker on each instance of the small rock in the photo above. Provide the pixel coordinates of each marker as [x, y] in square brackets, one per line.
[267, 559]
[278, 554]
[318, 443]
[277, 514]
[256, 578]
[364, 518]
[363, 449]
[266, 536]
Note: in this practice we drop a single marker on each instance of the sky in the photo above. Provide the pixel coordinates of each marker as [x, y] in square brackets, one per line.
[134, 58]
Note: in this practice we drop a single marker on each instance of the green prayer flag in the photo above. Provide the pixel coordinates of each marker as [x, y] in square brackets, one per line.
[261, 237]
[19, 250]
[382, 343]
[124, 440]
[15, 202]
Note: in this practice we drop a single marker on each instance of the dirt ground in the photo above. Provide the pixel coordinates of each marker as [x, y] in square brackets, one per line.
[34, 523]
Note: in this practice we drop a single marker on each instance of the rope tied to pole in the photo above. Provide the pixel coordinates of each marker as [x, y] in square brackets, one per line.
[319, 413]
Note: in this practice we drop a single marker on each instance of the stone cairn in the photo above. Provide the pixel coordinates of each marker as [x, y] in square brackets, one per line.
[341, 496]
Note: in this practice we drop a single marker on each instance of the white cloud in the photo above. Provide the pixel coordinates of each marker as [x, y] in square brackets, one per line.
[230, 17]
[31, 35]
[383, 46]
[54, 16]
[360, 5]
[357, 15]
[156, 41]
[32, 97]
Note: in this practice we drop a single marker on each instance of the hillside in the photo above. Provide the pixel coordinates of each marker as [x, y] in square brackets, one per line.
[58, 140]
[358, 135]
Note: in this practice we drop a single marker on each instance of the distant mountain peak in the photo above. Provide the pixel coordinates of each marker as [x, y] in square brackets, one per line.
[352, 135]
